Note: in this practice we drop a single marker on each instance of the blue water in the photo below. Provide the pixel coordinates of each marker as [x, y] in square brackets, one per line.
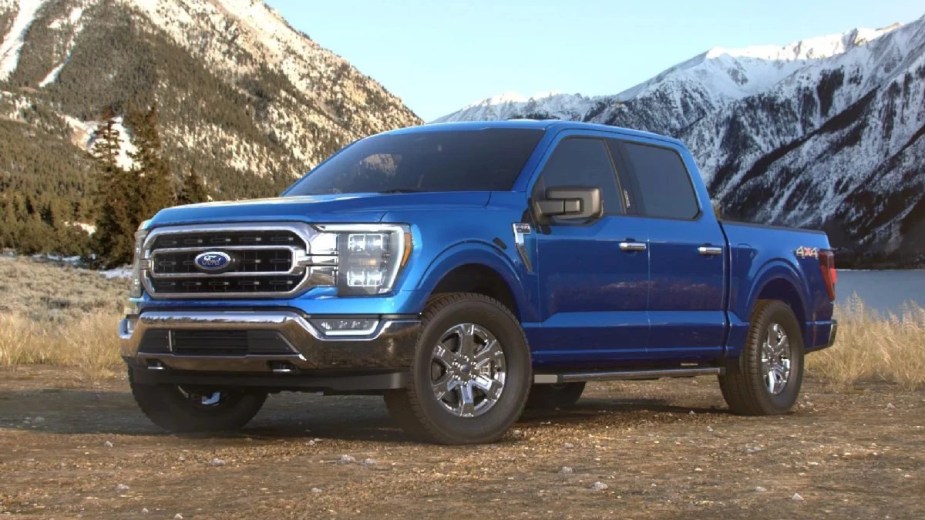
[883, 291]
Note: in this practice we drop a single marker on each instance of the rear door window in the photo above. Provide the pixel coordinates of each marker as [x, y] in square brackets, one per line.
[658, 179]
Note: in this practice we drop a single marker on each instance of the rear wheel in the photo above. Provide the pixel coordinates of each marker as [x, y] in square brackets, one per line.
[470, 376]
[766, 378]
[181, 408]
[561, 395]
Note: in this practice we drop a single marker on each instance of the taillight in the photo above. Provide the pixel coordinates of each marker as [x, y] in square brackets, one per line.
[829, 274]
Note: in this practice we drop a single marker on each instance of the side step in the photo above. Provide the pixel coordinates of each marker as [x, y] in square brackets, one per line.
[626, 375]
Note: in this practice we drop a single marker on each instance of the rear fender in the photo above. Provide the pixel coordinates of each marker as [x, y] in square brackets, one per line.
[772, 272]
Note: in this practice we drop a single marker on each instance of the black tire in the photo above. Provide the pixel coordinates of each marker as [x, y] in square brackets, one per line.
[423, 414]
[745, 385]
[561, 395]
[181, 409]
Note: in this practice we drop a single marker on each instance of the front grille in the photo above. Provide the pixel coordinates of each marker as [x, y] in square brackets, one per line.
[218, 284]
[268, 261]
[219, 239]
[215, 343]
[245, 261]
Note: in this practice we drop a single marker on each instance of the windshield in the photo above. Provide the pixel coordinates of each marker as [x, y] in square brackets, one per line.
[461, 160]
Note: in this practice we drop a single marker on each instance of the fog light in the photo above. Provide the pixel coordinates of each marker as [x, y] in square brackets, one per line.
[346, 326]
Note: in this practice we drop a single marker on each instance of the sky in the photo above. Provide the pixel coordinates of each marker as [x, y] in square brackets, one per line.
[441, 55]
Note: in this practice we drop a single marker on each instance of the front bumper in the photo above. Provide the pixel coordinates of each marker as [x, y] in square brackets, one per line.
[274, 343]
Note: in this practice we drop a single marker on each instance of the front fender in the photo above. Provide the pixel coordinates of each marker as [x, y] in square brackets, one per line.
[477, 253]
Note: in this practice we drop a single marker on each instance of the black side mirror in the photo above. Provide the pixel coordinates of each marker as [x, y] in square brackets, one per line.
[571, 203]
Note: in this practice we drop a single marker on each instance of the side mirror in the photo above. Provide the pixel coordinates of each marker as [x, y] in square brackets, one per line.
[571, 203]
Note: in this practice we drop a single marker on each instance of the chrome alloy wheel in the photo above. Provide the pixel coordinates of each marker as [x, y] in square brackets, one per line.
[468, 370]
[775, 359]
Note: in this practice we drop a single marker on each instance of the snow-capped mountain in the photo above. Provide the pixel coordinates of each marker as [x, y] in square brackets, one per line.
[826, 132]
[242, 97]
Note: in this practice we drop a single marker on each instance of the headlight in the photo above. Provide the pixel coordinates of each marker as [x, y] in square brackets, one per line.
[139, 261]
[369, 256]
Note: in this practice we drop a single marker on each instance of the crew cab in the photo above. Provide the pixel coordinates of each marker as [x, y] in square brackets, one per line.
[465, 271]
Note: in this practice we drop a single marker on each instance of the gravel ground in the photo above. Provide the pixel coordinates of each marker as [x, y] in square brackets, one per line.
[661, 449]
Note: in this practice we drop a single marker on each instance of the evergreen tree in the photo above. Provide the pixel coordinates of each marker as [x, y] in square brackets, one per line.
[193, 190]
[156, 188]
[118, 198]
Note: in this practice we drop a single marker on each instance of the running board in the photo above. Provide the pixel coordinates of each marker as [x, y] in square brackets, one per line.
[626, 375]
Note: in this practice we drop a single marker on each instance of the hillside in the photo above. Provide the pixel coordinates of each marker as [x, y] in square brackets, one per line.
[826, 132]
[243, 98]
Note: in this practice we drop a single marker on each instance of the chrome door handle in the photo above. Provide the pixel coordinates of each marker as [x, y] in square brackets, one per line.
[632, 246]
[710, 250]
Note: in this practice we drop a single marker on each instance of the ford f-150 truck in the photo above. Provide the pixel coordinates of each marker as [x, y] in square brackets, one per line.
[465, 271]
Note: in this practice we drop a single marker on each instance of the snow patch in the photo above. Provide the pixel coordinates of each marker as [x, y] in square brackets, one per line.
[550, 105]
[82, 135]
[13, 41]
[81, 131]
[73, 21]
[86, 228]
[817, 48]
[52, 76]
[118, 272]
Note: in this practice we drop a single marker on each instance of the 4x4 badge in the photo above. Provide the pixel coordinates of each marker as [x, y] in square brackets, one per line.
[807, 252]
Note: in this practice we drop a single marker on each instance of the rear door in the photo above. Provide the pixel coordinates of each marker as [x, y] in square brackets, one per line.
[593, 275]
[686, 252]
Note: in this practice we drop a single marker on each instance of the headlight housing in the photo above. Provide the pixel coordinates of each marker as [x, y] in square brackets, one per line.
[369, 256]
[139, 262]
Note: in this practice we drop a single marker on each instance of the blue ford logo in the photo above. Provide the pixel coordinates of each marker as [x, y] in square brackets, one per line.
[212, 261]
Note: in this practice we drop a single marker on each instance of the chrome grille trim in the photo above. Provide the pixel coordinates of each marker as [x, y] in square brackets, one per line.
[315, 270]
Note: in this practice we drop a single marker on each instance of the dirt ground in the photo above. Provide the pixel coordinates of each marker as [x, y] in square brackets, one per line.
[662, 449]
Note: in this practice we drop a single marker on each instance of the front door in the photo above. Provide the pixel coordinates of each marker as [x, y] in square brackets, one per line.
[593, 275]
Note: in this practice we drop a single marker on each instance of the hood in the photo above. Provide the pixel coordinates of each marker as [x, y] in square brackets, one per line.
[355, 207]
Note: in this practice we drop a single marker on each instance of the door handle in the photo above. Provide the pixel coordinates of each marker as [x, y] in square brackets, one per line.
[710, 250]
[630, 247]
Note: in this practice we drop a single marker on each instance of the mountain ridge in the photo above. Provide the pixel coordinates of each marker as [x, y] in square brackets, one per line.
[807, 143]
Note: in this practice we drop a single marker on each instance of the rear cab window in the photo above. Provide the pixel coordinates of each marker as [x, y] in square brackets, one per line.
[658, 183]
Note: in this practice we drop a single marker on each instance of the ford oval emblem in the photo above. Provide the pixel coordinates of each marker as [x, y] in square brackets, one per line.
[212, 261]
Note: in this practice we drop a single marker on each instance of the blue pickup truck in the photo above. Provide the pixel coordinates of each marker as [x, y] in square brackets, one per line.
[465, 271]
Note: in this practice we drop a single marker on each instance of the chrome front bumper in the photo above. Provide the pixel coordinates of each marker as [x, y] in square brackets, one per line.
[304, 349]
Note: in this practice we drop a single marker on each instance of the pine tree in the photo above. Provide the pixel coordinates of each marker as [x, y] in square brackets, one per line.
[157, 191]
[118, 198]
[193, 190]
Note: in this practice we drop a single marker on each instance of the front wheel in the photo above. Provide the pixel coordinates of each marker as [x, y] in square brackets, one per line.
[188, 409]
[470, 376]
[766, 378]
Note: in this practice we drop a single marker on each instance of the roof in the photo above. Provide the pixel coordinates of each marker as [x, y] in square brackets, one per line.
[555, 125]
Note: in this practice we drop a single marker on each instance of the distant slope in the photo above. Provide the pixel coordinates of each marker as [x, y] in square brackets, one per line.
[243, 98]
[826, 132]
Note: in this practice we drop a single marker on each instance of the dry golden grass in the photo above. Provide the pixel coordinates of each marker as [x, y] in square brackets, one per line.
[871, 345]
[56, 314]
[60, 315]
[89, 343]
[51, 292]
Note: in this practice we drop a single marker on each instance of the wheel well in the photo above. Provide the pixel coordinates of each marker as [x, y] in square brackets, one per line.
[476, 278]
[784, 291]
